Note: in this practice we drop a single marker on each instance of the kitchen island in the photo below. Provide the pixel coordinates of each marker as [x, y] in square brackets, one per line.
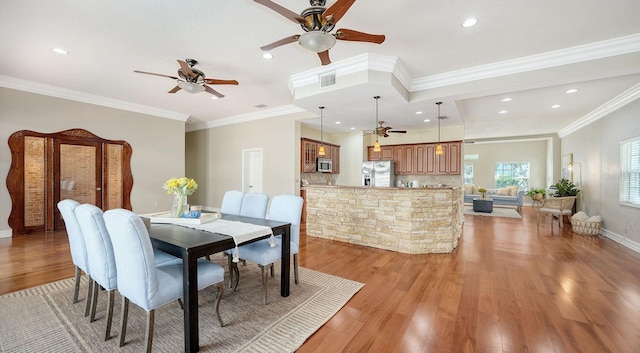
[408, 220]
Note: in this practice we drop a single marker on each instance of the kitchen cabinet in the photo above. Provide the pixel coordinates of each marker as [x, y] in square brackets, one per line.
[385, 154]
[416, 159]
[309, 155]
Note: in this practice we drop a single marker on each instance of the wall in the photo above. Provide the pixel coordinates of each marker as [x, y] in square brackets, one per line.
[214, 157]
[157, 143]
[533, 151]
[597, 148]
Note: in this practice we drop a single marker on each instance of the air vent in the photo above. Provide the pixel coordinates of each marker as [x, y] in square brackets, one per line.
[328, 80]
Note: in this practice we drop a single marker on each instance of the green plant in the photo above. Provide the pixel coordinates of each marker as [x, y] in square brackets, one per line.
[536, 193]
[566, 188]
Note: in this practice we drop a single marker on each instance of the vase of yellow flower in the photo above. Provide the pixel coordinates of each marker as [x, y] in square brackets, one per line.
[180, 188]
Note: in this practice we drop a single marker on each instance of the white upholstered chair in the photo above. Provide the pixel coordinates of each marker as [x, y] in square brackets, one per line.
[140, 280]
[232, 202]
[77, 246]
[557, 206]
[285, 208]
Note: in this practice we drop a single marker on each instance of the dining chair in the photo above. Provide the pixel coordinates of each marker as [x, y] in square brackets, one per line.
[556, 206]
[284, 208]
[77, 246]
[144, 283]
[254, 205]
[232, 202]
[100, 258]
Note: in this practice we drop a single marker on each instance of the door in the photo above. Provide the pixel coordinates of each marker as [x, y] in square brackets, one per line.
[252, 170]
[77, 174]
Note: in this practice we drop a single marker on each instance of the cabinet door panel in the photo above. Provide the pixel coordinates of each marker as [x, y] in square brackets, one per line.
[443, 160]
[454, 158]
[430, 166]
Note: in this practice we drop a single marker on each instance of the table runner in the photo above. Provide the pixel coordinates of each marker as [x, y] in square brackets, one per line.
[239, 231]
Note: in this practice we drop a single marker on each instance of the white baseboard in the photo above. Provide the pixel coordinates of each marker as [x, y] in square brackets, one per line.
[6, 233]
[635, 246]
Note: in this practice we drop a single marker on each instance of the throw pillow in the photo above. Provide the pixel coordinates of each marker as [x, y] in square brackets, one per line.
[468, 189]
[513, 190]
[503, 192]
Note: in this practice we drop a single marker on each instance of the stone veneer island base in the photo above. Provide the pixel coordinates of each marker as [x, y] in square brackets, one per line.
[407, 220]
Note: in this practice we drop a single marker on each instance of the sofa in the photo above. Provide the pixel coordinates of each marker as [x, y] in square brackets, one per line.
[508, 196]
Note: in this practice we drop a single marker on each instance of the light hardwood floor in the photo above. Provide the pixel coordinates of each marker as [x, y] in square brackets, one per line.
[510, 286]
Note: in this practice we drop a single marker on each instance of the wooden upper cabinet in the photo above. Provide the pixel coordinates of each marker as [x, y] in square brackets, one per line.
[430, 159]
[415, 159]
[309, 155]
[404, 158]
[454, 158]
[385, 154]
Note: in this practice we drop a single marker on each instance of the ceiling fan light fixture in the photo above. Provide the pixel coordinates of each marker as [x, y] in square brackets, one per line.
[317, 41]
[191, 87]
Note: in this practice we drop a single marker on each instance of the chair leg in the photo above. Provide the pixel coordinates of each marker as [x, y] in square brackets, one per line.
[107, 331]
[87, 307]
[218, 299]
[148, 341]
[181, 304]
[295, 268]
[236, 271]
[123, 321]
[272, 272]
[76, 289]
[265, 278]
[94, 302]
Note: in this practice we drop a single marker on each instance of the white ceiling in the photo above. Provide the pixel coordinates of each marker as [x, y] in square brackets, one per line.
[531, 51]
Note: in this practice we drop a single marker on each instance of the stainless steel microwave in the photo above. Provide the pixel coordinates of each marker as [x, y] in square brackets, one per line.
[324, 165]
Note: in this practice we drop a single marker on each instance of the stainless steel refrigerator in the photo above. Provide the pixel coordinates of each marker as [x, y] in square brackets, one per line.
[378, 173]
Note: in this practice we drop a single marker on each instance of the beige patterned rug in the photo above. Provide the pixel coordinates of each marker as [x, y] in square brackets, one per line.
[43, 319]
[497, 212]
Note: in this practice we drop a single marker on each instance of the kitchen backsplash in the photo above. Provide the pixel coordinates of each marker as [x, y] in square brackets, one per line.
[319, 178]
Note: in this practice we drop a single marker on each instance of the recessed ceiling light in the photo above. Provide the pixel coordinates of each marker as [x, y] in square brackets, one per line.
[555, 106]
[418, 113]
[469, 22]
[572, 90]
[267, 55]
[507, 99]
[352, 128]
[427, 120]
[214, 97]
[503, 111]
[60, 51]
[338, 122]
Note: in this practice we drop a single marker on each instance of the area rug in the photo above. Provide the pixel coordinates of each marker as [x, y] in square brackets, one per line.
[43, 319]
[497, 212]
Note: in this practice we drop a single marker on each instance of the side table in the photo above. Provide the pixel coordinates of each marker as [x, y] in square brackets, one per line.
[483, 205]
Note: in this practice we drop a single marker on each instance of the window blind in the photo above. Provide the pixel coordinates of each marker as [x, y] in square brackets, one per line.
[630, 171]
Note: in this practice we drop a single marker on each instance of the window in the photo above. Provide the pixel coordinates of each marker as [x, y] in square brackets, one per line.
[512, 173]
[630, 171]
[468, 173]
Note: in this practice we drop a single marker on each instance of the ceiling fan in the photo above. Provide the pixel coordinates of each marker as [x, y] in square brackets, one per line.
[382, 130]
[317, 22]
[193, 80]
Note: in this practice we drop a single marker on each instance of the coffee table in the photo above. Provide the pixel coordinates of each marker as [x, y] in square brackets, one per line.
[483, 205]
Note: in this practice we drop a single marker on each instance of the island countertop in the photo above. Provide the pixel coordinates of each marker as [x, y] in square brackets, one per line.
[409, 220]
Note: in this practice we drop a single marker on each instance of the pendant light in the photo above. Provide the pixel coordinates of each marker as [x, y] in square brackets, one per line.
[376, 146]
[321, 152]
[439, 146]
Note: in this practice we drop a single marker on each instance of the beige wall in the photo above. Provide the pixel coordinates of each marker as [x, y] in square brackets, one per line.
[214, 157]
[597, 148]
[157, 143]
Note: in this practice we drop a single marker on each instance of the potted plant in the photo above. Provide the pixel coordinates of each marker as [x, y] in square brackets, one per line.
[483, 192]
[536, 194]
[564, 187]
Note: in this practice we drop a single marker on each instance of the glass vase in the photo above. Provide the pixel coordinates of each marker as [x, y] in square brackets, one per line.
[179, 206]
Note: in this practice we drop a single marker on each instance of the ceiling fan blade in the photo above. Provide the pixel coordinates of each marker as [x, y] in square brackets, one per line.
[175, 89]
[398, 131]
[213, 91]
[186, 69]
[151, 73]
[215, 81]
[349, 34]
[282, 10]
[324, 57]
[280, 42]
[335, 12]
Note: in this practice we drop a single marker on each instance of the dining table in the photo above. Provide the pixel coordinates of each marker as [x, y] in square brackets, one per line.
[190, 244]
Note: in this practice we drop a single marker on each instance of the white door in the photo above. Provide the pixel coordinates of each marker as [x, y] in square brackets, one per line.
[252, 170]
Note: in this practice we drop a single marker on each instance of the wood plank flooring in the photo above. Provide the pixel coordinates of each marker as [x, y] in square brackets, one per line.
[510, 286]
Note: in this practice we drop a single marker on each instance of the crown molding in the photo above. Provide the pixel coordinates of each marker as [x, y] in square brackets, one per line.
[243, 118]
[597, 50]
[607, 108]
[58, 92]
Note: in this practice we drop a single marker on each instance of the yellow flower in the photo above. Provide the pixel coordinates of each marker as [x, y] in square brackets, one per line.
[181, 185]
